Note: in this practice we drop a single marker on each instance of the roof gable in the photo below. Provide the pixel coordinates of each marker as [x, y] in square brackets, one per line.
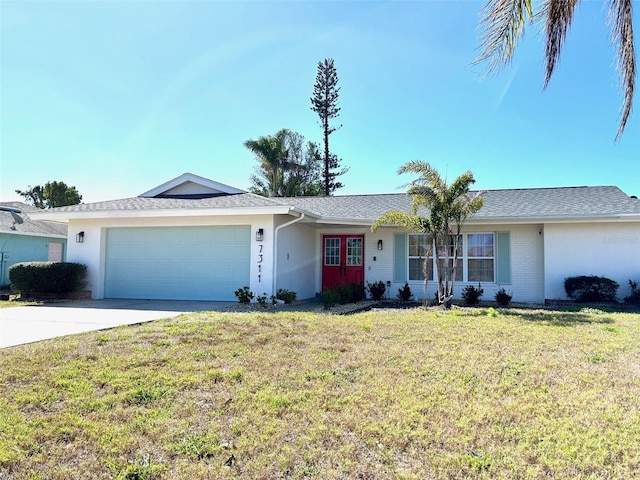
[189, 185]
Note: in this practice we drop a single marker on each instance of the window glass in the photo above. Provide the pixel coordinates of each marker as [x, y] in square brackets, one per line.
[459, 270]
[354, 251]
[419, 246]
[416, 266]
[332, 251]
[480, 245]
[476, 257]
[480, 257]
[480, 270]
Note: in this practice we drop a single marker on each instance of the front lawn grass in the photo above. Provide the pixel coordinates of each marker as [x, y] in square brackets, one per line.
[511, 394]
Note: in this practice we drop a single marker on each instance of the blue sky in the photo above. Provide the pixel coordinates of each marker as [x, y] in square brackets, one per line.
[117, 97]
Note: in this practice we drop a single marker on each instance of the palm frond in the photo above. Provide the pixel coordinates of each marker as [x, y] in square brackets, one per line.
[558, 15]
[621, 15]
[502, 25]
[460, 186]
[412, 223]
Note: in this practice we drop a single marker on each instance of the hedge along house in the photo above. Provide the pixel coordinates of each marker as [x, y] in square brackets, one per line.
[196, 239]
[23, 239]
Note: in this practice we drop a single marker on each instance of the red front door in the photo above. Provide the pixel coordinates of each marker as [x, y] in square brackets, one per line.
[342, 260]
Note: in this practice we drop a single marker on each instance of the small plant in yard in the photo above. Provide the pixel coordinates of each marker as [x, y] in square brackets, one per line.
[287, 296]
[376, 290]
[197, 446]
[503, 298]
[262, 300]
[405, 293]
[351, 292]
[492, 312]
[342, 294]
[471, 294]
[244, 295]
[143, 469]
[634, 298]
[330, 298]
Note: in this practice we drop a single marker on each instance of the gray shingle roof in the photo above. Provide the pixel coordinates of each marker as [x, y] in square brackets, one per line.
[558, 202]
[151, 203]
[509, 204]
[28, 227]
[522, 204]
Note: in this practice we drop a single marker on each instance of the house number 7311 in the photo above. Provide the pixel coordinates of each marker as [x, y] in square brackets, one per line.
[260, 259]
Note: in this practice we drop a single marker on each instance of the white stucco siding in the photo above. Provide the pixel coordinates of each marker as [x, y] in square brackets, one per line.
[611, 250]
[527, 264]
[296, 260]
[89, 253]
[379, 263]
[92, 251]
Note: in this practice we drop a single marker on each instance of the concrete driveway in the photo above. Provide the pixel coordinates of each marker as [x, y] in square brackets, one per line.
[19, 325]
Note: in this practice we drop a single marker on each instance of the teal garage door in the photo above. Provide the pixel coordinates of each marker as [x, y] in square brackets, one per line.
[177, 263]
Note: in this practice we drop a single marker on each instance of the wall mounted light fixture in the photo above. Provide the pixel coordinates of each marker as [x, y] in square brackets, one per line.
[80, 237]
[379, 244]
[259, 234]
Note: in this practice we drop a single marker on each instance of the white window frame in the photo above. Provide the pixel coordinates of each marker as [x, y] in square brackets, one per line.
[468, 257]
[463, 258]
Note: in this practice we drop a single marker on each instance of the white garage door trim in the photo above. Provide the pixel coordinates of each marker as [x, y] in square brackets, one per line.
[177, 263]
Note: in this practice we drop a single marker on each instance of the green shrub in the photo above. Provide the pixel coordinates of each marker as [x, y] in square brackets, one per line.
[330, 298]
[634, 298]
[376, 290]
[471, 294]
[405, 293]
[350, 292]
[343, 293]
[244, 295]
[47, 277]
[286, 296]
[591, 288]
[262, 300]
[503, 298]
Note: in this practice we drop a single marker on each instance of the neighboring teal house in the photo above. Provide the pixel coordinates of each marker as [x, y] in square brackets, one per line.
[29, 241]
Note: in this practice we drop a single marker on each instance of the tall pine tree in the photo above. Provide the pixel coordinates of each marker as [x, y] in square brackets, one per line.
[325, 103]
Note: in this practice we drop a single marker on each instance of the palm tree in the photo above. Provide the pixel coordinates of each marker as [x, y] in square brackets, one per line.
[503, 24]
[272, 154]
[447, 208]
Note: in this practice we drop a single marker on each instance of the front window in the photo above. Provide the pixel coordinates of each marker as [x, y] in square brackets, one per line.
[419, 248]
[475, 257]
[480, 256]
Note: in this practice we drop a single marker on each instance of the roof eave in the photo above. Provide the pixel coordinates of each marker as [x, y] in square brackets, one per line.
[34, 234]
[504, 220]
[555, 219]
[161, 212]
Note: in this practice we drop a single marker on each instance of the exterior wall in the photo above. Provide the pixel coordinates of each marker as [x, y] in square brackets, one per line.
[611, 250]
[527, 264]
[296, 260]
[24, 248]
[92, 251]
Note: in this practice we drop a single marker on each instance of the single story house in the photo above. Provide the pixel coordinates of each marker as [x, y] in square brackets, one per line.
[23, 239]
[196, 239]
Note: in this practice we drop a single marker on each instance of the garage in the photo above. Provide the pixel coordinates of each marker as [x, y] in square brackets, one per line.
[177, 263]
